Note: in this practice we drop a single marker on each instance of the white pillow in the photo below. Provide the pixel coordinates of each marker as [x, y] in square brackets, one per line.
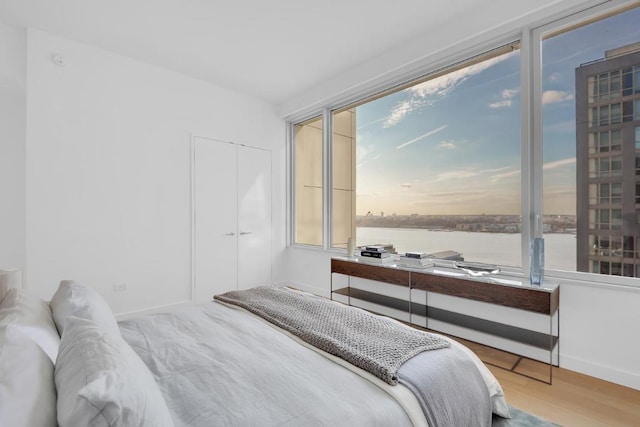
[27, 389]
[10, 279]
[32, 317]
[73, 299]
[101, 381]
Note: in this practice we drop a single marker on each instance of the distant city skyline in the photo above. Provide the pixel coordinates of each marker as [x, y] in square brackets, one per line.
[451, 145]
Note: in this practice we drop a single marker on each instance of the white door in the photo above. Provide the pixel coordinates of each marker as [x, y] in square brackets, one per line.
[254, 217]
[215, 228]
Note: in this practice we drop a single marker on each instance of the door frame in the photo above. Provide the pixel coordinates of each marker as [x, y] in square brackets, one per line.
[192, 202]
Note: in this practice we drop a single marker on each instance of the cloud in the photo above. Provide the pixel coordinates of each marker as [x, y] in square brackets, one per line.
[555, 96]
[504, 168]
[500, 104]
[494, 175]
[424, 93]
[457, 174]
[559, 163]
[362, 126]
[448, 145]
[504, 175]
[510, 93]
[555, 77]
[431, 132]
[365, 154]
[458, 201]
[482, 175]
[507, 95]
[399, 111]
[509, 172]
[445, 84]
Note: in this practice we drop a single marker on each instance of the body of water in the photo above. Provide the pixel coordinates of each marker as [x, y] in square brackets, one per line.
[493, 248]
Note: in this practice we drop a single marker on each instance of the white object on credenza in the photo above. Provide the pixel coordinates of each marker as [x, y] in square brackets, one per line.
[10, 278]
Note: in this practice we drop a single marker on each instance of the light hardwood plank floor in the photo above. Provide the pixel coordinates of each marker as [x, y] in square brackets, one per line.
[573, 399]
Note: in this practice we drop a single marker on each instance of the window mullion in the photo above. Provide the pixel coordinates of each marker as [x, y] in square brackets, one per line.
[531, 116]
[290, 186]
[535, 227]
[526, 181]
[327, 178]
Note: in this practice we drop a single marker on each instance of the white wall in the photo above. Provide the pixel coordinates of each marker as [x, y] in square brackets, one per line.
[13, 93]
[108, 178]
[596, 321]
[598, 331]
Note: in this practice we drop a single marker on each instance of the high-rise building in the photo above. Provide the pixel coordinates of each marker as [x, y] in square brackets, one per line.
[608, 163]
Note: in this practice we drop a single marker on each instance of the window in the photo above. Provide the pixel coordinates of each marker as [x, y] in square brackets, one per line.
[606, 193]
[343, 173]
[307, 139]
[627, 111]
[588, 100]
[628, 251]
[603, 167]
[432, 170]
[435, 164]
[606, 141]
[627, 81]
[606, 219]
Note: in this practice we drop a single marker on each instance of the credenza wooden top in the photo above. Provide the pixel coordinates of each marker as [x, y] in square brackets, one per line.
[522, 296]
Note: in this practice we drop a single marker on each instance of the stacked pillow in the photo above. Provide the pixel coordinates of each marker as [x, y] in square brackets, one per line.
[100, 380]
[28, 349]
[73, 299]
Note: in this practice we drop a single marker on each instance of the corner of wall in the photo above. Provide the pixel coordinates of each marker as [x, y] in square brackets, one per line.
[13, 117]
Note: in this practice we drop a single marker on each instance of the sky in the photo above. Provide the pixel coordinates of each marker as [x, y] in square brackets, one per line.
[451, 145]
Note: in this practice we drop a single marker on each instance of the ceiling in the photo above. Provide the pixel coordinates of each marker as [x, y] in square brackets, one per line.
[272, 50]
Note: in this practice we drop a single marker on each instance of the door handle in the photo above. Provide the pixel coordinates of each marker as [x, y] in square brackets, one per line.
[230, 234]
[242, 233]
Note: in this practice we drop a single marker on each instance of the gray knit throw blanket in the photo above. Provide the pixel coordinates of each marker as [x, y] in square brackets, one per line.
[374, 343]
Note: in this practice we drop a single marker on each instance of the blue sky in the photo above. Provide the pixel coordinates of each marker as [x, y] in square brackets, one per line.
[451, 145]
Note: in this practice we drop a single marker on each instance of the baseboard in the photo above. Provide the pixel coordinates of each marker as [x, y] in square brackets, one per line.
[149, 310]
[606, 373]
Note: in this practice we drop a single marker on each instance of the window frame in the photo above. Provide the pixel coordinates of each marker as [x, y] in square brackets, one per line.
[530, 39]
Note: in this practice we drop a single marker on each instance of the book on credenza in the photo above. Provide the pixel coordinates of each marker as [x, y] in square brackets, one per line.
[374, 260]
[416, 255]
[375, 248]
[375, 254]
[406, 261]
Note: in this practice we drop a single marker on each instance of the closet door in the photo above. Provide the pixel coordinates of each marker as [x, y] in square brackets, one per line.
[254, 217]
[215, 228]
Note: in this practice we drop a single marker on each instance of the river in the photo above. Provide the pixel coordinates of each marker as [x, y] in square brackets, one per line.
[494, 248]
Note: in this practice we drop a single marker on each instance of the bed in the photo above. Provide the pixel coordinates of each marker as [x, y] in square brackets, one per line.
[69, 363]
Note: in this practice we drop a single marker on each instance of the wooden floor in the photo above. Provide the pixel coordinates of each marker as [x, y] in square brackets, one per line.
[572, 400]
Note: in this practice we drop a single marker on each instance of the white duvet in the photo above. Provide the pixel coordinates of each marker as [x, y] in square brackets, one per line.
[221, 366]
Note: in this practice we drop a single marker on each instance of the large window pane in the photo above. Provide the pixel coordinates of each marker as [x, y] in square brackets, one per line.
[344, 177]
[588, 105]
[308, 182]
[438, 163]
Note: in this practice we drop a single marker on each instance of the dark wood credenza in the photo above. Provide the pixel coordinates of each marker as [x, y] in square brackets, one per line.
[540, 300]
